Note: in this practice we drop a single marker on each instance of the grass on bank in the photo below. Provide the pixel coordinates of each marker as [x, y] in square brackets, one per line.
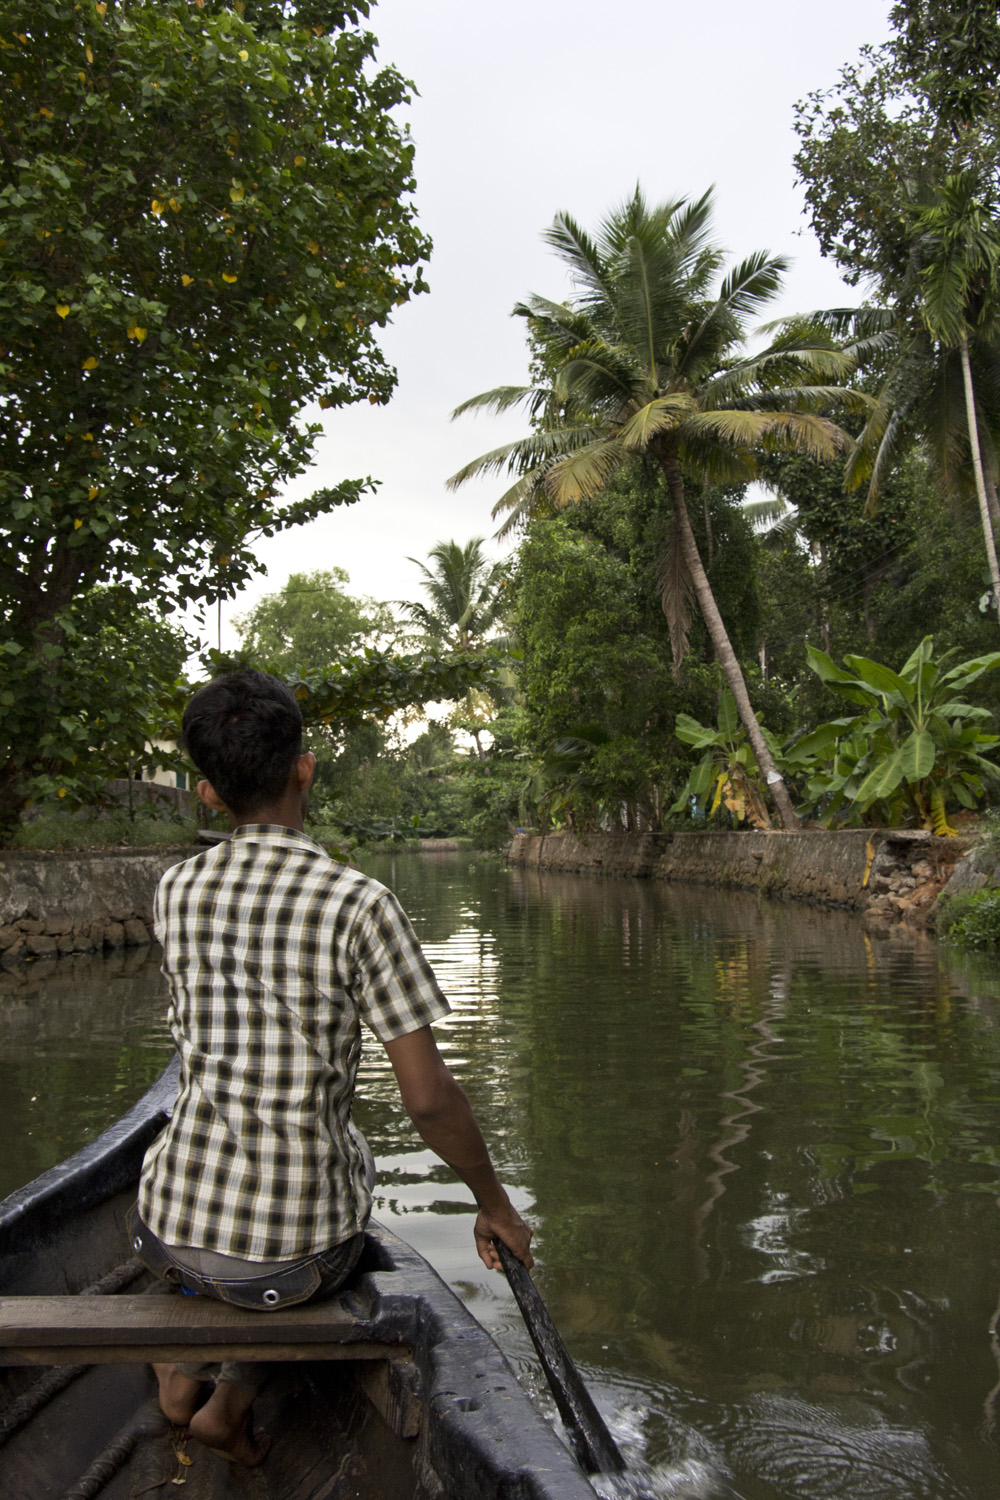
[116, 830]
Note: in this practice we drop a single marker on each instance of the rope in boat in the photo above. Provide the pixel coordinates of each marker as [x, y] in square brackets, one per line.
[45, 1389]
[115, 1456]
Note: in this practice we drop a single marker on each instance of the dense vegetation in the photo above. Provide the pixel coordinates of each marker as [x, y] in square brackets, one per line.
[204, 221]
[669, 641]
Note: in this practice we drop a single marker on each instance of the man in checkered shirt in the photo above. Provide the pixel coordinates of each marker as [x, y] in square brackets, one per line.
[258, 1190]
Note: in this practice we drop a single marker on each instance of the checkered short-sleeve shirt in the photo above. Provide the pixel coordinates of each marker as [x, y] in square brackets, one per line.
[274, 954]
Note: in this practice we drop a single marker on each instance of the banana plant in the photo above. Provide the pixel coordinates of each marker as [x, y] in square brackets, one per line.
[727, 775]
[916, 746]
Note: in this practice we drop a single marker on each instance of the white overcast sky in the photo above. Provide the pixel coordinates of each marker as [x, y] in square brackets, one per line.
[527, 109]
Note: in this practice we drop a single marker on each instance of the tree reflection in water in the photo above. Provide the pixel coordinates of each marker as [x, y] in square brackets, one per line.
[759, 1146]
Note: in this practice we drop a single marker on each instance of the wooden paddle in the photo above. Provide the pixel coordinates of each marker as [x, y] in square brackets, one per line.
[595, 1448]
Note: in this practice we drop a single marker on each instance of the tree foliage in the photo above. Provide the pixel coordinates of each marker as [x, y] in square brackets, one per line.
[917, 745]
[464, 594]
[950, 49]
[898, 121]
[311, 622]
[599, 693]
[204, 222]
[650, 358]
[125, 691]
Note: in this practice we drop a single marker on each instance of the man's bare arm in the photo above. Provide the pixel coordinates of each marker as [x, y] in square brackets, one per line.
[442, 1114]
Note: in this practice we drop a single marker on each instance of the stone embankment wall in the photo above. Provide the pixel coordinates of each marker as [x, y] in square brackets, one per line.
[64, 903]
[892, 874]
[58, 903]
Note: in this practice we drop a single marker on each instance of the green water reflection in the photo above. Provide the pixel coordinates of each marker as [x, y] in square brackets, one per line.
[81, 1039]
[759, 1146]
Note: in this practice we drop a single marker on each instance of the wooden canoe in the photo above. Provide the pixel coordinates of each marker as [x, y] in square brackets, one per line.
[395, 1392]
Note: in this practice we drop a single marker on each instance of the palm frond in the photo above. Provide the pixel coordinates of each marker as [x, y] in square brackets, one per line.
[806, 398]
[845, 322]
[556, 321]
[504, 397]
[521, 502]
[524, 454]
[744, 290]
[636, 434]
[780, 365]
[583, 473]
[716, 462]
[873, 456]
[677, 596]
[690, 227]
[802, 432]
[600, 375]
[574, 246]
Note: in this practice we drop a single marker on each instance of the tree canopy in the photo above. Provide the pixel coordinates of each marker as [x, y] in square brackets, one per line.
[650, 358]
[312, 623]
[204, 221]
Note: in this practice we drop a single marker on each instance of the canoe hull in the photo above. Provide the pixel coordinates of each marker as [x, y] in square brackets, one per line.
[448, 1421]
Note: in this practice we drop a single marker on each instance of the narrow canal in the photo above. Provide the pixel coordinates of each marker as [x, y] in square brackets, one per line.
[760, 1149]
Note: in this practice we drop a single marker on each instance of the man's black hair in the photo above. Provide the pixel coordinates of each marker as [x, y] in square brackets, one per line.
[243, 731]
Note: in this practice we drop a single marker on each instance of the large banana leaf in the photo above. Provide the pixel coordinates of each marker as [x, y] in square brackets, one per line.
[729, 719]
[842, 682]
[968, 671]
[883, 780]
[692, 733]
[956, 709]
[918, 752]
[821, 741]
[882, 678]
[918, 656]
[911, 763]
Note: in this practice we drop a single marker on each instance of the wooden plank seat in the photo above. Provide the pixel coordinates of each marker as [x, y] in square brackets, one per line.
[139, 1329]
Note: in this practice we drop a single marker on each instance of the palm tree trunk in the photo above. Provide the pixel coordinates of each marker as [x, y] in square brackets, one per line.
[723, 648]
[977, 468]
[991, 499]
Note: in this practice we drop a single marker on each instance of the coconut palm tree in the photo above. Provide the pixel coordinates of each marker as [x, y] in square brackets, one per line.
[464, 602]
[650, 358]
[463, 591]
[957, 263]
[943, 344]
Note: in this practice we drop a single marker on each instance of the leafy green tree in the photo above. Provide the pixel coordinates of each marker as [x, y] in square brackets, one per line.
[951, 49]
[899, 168]
[960, 245]
[851, 550]
[943, 351]
[937, 584]
[204, 222]
[598, 693]
[311, 623]
[650, 358]
[127, 695]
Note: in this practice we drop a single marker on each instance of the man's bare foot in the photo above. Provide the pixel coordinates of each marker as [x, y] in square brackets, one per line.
[225, 1426]
[180, 1396]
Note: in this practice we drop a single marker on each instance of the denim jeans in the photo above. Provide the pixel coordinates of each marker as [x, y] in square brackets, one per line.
[283, 1284]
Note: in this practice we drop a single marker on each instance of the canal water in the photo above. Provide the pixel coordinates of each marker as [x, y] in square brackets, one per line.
[759, 1146]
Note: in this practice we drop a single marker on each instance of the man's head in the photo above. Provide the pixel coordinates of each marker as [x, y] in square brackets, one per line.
[244, 733]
